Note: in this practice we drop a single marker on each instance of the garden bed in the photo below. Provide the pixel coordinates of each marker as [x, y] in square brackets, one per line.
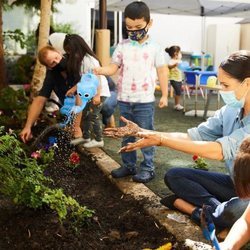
[119, 221]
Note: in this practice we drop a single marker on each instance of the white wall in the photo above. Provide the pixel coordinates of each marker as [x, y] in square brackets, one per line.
[185, 31]
[245, 36]
[17, 18]
[77, 13]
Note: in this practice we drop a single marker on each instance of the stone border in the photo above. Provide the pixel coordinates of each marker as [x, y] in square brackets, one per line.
[182, 231]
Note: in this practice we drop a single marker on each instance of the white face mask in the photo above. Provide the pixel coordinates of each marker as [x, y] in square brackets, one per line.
[230, 99]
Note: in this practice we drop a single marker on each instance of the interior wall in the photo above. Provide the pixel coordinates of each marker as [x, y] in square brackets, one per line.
[245, 36]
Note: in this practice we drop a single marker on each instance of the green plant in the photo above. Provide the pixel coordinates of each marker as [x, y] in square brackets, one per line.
[200, 163]
[22, 179]
[17, 35]
[20, 71]
[63, 27]
[13, 105]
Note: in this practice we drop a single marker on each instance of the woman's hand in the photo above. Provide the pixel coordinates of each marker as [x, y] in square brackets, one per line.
[130, 129]
[148, 139]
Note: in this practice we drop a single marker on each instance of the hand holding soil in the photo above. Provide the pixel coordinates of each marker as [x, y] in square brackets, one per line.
[148, 139]
[130, 129]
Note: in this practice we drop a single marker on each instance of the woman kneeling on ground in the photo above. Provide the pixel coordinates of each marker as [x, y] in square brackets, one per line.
[218, 138]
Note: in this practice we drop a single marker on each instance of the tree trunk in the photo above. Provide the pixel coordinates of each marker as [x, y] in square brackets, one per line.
[39, 72]
[2, 64]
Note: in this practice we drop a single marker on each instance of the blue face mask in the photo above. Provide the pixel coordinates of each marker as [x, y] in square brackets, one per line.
[230, 99]
[137, 35]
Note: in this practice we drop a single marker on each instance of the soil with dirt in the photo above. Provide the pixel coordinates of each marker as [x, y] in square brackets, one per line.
[119, 222]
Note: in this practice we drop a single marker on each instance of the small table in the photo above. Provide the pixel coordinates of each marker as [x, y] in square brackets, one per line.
[197, 79]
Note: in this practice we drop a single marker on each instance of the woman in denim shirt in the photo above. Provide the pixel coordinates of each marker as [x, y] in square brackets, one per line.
[218, 138]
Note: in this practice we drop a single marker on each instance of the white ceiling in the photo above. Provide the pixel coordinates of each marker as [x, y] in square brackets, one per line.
[232, 8]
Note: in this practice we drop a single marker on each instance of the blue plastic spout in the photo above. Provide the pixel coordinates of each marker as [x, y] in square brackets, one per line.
[86, 90]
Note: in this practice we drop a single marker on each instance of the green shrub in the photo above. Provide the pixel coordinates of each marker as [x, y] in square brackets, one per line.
[22, 179]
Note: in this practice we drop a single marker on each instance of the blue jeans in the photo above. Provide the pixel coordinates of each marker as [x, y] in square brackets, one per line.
[143, 115]
[108, 107]
[200, 187]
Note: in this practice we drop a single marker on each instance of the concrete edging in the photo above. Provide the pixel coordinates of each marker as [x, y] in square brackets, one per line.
[182, 231]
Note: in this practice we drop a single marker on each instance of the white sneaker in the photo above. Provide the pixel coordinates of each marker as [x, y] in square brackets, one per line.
[178, 107]
[94, 144]
[79, 140]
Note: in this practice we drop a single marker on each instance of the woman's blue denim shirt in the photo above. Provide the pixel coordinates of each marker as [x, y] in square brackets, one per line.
[228, 127]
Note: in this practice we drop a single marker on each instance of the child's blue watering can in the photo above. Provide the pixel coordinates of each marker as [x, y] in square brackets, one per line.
[86, 90]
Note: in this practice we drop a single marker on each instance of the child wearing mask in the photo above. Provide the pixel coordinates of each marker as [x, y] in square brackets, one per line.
[137, 58]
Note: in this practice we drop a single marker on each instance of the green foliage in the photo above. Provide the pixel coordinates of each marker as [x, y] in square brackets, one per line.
[13, 105]
[20, 71]
[64, 28]
[29, 4]
[17, 35]
[22, 180]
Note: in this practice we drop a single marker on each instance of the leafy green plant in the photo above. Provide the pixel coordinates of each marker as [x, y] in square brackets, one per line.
[13, 106]
[20, 70]
[63, 27]
[17, 35]
[22, 179]
[200, 163]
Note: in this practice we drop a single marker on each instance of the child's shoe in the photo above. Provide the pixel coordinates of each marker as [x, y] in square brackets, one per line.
[123, 172]
[94, 144]
[79, 140]
[144, 176]
[178, 107]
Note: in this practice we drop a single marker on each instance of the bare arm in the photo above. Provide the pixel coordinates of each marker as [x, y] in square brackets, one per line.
[182, 142]
[172, 66]
[239, 234]
[162, 73]
[107, 70]
[35, 110]
[178, 141]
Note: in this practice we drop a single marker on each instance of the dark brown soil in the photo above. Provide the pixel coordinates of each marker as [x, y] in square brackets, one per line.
[119, 221]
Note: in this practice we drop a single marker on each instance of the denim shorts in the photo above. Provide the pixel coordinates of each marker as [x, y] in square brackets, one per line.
[177, 86]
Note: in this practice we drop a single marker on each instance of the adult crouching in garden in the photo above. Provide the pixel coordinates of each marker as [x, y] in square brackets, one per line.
[218, 138]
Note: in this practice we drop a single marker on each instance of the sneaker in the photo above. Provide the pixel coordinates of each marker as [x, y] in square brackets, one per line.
[123, 172]
[79, 140]
[178, 107]
[168, 201]
[94, 144]
[144, 176]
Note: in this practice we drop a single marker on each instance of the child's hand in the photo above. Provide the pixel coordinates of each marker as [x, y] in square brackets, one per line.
[98, 71]
[96, 100]
[71, 91]
[163, 102]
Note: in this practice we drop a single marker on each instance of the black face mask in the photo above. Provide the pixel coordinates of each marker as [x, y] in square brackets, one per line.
[62, 65]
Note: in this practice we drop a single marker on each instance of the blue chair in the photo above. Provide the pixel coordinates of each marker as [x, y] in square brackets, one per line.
[190, 82]
[196, 80]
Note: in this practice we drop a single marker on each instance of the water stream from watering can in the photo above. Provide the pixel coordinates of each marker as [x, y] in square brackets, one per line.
[58, 135]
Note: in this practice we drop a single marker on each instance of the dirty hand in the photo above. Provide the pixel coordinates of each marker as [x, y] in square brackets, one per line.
[25, 134]
[130, 129]
[163, 102]
[148, 139]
